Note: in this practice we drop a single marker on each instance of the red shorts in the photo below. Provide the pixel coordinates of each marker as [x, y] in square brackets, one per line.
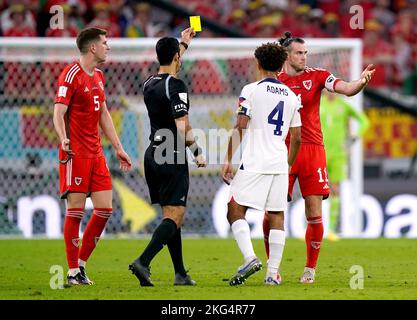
[310, 169]
[84, 175]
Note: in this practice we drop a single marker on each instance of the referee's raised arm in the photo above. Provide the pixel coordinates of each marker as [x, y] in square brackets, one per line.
[186, 36]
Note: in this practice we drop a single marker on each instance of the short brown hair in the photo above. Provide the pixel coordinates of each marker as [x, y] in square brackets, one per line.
[86, 36]
[271, 56]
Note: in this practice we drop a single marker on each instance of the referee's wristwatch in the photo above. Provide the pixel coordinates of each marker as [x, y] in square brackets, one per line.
[195, 149]
[184, 45]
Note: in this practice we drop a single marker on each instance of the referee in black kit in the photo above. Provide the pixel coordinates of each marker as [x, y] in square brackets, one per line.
[166, 167]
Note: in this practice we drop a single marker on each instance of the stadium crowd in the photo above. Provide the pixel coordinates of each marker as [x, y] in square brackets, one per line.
[389, 34]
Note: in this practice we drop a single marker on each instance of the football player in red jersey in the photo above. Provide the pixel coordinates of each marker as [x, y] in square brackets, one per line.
[310, 165]
[80, 108]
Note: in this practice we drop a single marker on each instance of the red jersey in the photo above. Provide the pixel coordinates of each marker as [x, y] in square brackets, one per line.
[84, 95]
[309, 85]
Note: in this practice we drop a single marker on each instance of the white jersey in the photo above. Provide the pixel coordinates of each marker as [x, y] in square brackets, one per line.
[273, 108]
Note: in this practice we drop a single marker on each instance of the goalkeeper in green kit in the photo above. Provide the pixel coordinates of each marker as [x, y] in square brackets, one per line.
[335, 114]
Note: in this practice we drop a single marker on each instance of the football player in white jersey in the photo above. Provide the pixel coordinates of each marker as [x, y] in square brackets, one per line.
[267, 110]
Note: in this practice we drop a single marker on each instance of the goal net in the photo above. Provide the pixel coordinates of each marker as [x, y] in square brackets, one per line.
[215, 70]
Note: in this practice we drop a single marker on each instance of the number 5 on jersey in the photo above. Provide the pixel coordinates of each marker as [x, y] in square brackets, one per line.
[279, 111]
[96, 103]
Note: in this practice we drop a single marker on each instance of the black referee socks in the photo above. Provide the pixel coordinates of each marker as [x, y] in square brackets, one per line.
[175, 250]
[162, 235]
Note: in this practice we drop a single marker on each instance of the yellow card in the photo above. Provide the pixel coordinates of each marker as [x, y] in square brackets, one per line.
[195, 23]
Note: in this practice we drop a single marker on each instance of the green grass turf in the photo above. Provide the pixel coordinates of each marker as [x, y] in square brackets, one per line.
[389, 271]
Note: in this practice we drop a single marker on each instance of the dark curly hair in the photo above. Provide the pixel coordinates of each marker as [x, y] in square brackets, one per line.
[271, 56]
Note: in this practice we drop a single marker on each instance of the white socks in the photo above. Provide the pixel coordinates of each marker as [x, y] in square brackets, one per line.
[276, 248]
[73, 271]
[81, 263]
[241, 232]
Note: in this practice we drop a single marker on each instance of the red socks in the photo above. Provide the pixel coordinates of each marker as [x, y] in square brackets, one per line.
[313, 238]
[93, 231]
[71, 235]
[266, 229]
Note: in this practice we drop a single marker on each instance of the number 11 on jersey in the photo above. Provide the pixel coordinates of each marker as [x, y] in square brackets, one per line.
[321, 176]
[279, 111]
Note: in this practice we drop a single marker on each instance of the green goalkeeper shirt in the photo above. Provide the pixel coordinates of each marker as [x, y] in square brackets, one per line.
[334, 116]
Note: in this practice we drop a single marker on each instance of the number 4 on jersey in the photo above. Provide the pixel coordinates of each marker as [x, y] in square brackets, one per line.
[279, 111]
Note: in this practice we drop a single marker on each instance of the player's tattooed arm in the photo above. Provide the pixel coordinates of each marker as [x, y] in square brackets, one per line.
[234, 142]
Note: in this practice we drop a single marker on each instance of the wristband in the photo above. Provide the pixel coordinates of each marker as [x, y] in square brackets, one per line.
[195, 149]
[184, 45]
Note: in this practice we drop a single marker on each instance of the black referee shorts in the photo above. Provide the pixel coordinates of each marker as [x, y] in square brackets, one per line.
[168, 183]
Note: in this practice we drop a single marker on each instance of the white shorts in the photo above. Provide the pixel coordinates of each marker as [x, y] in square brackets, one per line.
[260, 191]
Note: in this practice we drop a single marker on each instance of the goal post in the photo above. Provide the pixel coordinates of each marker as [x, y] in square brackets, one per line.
[214, 70]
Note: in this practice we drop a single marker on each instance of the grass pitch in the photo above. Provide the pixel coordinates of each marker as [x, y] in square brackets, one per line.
[389, 271]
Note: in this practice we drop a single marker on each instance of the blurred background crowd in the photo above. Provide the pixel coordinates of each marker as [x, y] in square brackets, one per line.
[389, 31]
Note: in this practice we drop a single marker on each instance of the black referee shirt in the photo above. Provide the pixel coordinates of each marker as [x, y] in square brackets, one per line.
[166, 99]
